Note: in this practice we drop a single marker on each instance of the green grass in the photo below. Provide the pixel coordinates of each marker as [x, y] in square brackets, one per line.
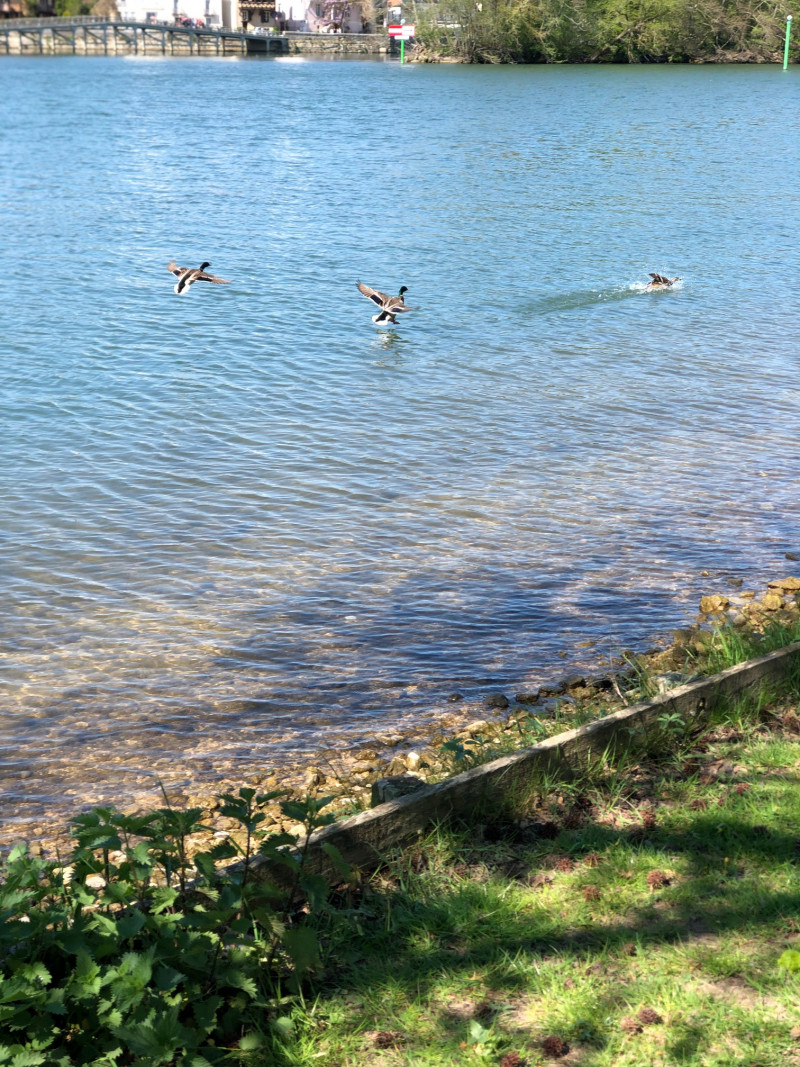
[672, 886]
[730, 645]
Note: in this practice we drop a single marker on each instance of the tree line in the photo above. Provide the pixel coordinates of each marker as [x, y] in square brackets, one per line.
[605, 31]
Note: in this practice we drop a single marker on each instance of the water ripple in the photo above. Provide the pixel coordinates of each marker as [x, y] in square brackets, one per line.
[249, 522]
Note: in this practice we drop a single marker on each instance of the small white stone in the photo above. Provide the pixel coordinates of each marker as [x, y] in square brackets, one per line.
[413, 760]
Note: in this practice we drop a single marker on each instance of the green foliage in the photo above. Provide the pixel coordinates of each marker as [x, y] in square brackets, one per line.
[581, 31]
[67, 8]
[729, 645]
[469, 752]
[672, 725]
[129, 950]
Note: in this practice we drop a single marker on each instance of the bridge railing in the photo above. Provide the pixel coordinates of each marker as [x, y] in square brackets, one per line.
[92, 20]
[55, 20]
[72, 20]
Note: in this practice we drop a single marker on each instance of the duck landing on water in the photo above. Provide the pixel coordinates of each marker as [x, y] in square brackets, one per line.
[389, 305]
[187, 276]
[660, 282]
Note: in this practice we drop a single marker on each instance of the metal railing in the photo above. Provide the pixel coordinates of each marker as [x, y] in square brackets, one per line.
[65, 23]
[56, 20]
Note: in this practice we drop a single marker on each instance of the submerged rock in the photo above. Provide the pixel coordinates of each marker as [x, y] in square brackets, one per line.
[572, 681]
[474, 729]
[682, 636]
[715, 604]
[527, 698]
[601, 683]
[772, 602]
[313, 778]
[788, 585]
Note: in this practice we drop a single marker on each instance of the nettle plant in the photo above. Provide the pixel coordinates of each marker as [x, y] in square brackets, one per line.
[131, 950]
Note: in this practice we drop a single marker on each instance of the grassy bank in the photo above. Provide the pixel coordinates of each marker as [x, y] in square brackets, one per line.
[646, 916]
[646, 911]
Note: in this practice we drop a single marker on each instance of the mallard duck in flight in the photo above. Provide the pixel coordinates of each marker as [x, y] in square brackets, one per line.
[660, 282]
[389, 305]
[187, 276]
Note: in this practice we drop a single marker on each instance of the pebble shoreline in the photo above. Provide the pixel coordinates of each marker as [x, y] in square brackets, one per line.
[354, 778]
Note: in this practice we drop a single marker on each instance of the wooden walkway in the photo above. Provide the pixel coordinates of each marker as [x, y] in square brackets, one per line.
[89, 36]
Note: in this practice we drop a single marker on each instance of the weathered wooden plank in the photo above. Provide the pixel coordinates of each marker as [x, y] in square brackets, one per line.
[366, 838]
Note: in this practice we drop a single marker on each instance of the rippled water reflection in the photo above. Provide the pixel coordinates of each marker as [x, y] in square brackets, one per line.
[239, 521]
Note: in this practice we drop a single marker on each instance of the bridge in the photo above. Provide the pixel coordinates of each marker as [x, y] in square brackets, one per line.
[90, 35]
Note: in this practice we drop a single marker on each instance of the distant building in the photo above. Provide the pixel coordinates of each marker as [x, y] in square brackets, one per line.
[318, 16]
[334, 16]
[216, 14]
[213, 13]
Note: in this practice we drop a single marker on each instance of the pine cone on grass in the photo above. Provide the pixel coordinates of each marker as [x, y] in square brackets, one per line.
[630, 1026]
[657, 879]
[387, 1039]
[554, 1047]
[649, 1017]
[512, 1059]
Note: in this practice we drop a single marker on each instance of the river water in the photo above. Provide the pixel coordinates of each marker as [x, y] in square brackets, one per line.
[248, 522]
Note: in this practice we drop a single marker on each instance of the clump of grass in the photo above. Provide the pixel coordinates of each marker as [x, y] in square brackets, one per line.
[730, 645]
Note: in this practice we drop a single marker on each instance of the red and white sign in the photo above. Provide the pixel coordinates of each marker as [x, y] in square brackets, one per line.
[404, 32]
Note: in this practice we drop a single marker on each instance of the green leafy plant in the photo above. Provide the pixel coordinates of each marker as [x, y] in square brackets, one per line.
[672, 724]
[136, 946]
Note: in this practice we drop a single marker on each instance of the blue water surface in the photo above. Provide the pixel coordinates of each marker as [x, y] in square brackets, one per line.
[245, 523]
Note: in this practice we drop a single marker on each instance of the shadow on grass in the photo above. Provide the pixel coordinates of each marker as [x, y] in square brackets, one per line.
[497, 899]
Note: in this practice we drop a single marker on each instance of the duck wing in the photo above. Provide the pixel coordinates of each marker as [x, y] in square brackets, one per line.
[173, 268]
[659, 279]
[204, 276]
[375, 295]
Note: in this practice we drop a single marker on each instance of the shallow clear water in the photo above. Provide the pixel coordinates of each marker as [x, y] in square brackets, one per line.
[242, 522]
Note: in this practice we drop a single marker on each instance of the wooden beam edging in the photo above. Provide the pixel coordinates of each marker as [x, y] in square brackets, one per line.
[364, 840]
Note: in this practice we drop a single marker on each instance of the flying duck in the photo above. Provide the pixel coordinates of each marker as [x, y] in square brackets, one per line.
[389, 305]
[187, 276]
[660, 282]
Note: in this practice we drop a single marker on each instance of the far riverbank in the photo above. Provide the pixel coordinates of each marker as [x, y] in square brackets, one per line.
[530, 36]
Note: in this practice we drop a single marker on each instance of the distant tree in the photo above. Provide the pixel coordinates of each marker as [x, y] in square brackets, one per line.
[369, 16]
[66, 8]
[106, 9]
[605, 31]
